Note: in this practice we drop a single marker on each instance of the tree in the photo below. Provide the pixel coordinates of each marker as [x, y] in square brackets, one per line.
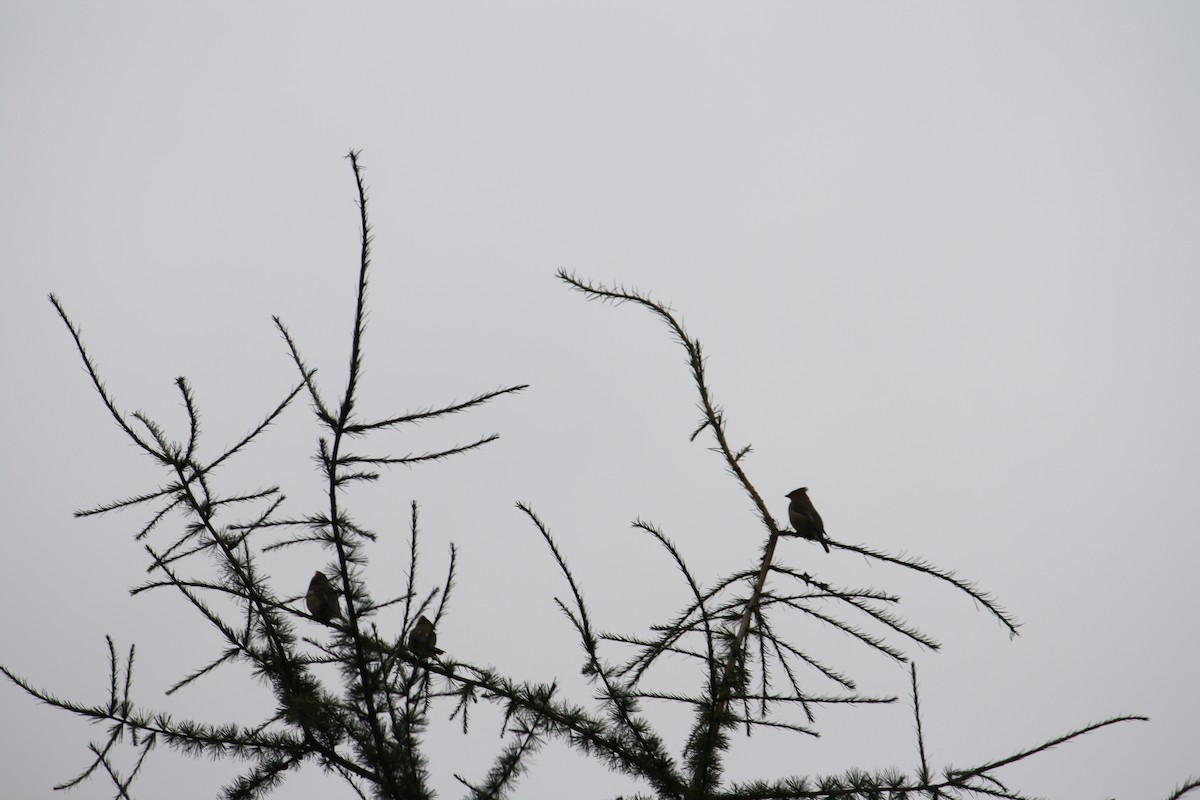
[368, 729]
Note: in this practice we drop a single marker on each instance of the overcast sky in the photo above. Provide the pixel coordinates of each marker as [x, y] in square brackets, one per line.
[942, 256]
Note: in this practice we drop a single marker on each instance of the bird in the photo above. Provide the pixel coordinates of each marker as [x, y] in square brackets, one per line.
[804, 517]
[322, 599]
[422, 639]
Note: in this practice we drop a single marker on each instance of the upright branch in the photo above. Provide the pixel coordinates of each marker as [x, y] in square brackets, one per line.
[706, 740]
[342, 468]
[713, 420]
[338, 532]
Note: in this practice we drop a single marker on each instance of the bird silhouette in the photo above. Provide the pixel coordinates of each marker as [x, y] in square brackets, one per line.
[805, 519]
[322, 599]
[422, 639]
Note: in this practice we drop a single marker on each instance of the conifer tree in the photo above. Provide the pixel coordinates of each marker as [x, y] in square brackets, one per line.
[368, 728]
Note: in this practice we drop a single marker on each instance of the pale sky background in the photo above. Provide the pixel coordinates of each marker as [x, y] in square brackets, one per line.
[943, 258]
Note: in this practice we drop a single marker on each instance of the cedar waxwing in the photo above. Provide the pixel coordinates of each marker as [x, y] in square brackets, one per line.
[422, 639]
[804, 517]
[322, 599]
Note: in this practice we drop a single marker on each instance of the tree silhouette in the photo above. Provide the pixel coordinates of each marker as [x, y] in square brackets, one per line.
[368, 728]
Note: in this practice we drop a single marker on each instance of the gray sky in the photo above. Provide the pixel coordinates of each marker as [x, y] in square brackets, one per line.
[943, 258]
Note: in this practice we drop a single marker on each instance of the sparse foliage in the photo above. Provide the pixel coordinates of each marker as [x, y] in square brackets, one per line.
[368, 727]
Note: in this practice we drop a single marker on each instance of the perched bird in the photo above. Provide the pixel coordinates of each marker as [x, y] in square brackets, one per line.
[804, 517]
[322, 599]
[422, 639]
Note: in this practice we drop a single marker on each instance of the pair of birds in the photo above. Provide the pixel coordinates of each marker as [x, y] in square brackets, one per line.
[323, 603]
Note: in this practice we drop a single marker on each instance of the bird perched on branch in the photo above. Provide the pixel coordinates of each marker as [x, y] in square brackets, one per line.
[805, 519]
[322, 599]
[422, 639]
